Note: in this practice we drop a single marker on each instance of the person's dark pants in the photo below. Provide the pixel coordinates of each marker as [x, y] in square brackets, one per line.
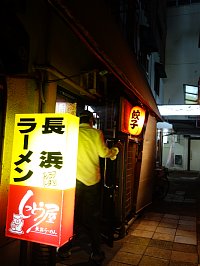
[87, 212]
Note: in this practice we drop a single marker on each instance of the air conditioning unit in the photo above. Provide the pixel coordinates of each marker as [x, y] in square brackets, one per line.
[93, 82]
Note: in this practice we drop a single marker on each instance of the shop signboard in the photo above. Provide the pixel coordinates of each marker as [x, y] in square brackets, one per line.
[132, 118]
[136, 120]
[43, 177]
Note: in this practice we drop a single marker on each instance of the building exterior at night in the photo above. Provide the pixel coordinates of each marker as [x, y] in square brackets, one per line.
[62, 56]
[181, 149]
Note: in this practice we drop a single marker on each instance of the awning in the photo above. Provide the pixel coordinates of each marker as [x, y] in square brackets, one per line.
[92, 21]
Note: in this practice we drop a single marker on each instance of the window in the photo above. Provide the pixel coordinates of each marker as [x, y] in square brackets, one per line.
[65, 102]
[191, 94]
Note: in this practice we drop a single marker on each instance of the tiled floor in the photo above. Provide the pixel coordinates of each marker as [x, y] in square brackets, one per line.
[168, 227]
[165, 243]
[153, 240]
[166, 233]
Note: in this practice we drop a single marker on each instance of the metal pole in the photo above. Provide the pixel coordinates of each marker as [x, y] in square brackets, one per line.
[23, 253]
[43, 255]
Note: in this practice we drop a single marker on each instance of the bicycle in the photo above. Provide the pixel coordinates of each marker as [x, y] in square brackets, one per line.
[161, 185]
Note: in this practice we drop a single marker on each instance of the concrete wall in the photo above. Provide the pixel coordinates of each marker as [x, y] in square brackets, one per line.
[182, 54]
[182, 67]
[147, 166]
[22, 97]
[176, 146]
[52, 42]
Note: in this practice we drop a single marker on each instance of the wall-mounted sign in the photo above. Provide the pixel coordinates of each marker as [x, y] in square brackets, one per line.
[131, 118]
[136, 120]
[43, 178]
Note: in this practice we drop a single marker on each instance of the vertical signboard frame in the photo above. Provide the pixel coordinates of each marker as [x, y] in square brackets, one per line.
[42, 179]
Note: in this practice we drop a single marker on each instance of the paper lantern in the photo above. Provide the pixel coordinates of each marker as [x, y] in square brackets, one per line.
[136, 120]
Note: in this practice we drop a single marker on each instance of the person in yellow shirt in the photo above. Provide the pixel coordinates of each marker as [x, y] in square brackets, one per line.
[91, 146]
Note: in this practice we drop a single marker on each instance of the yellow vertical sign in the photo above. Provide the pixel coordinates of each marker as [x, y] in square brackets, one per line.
[45, 150]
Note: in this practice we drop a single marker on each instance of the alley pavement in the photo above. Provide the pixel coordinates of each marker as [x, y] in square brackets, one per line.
[165, 233]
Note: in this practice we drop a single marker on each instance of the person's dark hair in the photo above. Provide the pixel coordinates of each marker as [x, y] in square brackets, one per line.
[85, 117]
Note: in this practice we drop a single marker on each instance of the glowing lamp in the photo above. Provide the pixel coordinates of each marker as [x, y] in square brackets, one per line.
[43, 178]
[136, 120]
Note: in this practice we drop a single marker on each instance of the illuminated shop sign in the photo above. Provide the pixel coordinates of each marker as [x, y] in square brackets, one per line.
[43, 177]
[131, 118]
[136, 120]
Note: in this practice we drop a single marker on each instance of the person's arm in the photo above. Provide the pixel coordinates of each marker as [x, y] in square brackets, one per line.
[103, 150]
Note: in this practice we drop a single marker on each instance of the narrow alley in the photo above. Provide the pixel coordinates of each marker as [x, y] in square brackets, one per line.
[166, 233]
